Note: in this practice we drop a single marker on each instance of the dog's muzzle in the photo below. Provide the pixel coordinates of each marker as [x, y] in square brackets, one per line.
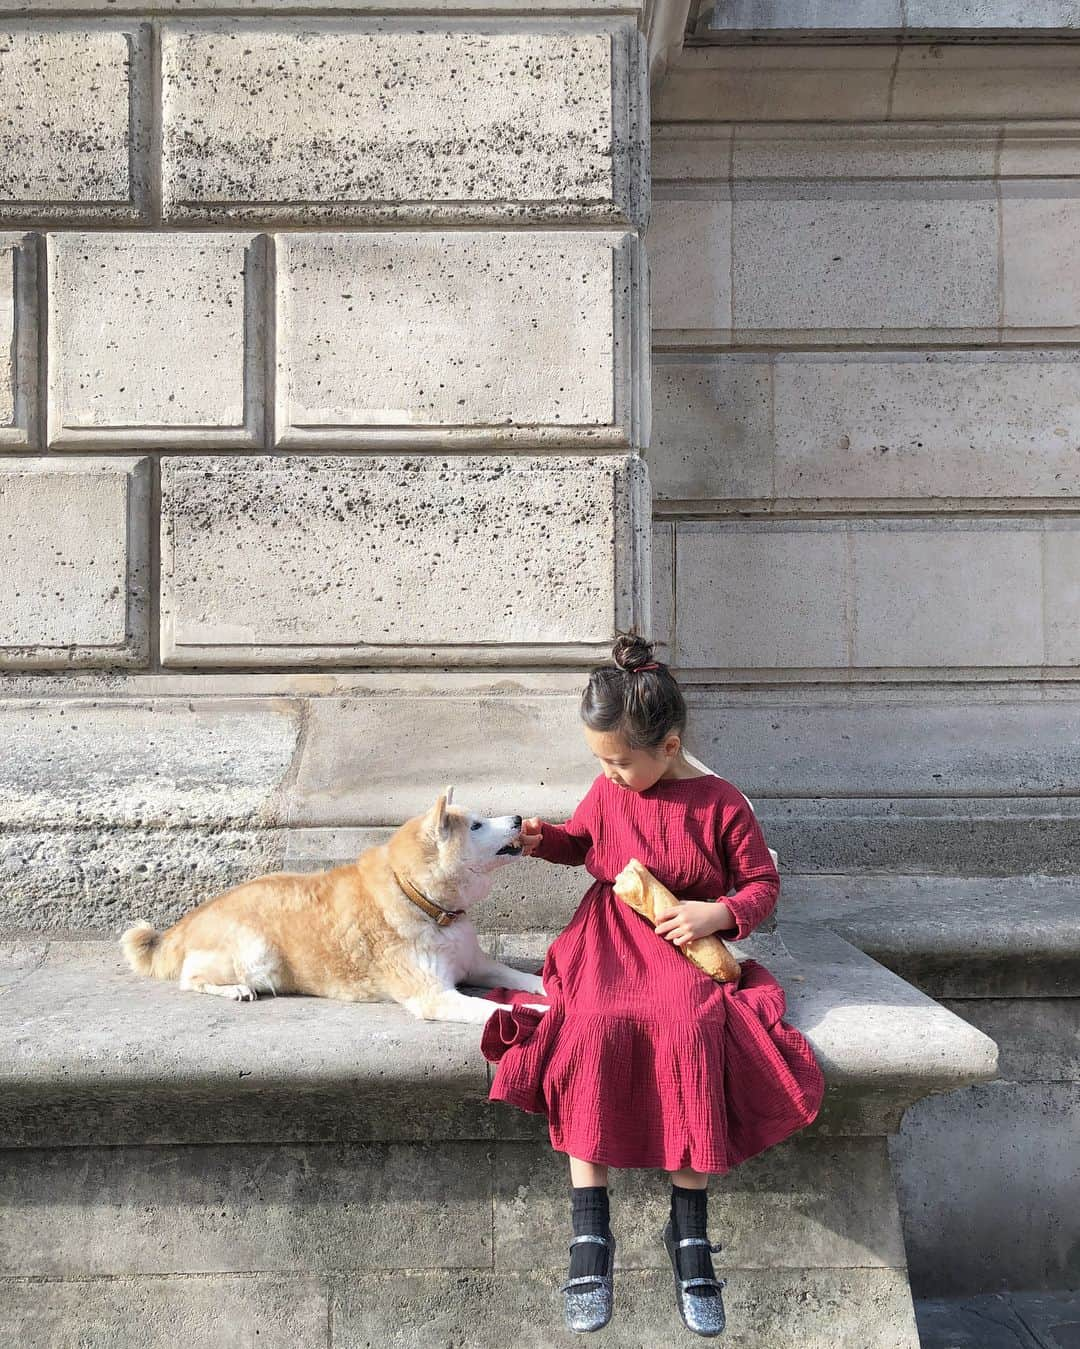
[511, 850]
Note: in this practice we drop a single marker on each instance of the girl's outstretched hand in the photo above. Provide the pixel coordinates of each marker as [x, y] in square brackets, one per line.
[694, 918]
[530, 835]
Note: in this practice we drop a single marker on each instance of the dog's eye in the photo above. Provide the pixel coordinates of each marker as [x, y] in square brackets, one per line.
[476, 824]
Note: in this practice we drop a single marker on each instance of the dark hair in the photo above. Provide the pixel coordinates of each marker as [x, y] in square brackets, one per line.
[641, 705]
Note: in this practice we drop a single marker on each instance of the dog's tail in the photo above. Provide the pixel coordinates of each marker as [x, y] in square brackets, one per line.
[142, 945]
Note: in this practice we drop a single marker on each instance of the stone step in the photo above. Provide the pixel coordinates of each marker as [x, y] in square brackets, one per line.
[318, 1173]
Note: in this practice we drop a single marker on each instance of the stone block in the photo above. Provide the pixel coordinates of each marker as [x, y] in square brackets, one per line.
[75, 135]
[761, 596]
[663, 554]
[18, 339]
[390, 560]
[962, 742]
[1062, 593]
[222, 1210]
[152, 764]
[207, 1313]
[73, 590]
[712, 427]
[799, 18]
[822, 1203]
[862, 255]
[1038, 1038]
[116, 374]
[391, 339]
[514, 124]
[999, 1157]
[873, 152]
[1041, 243]
[924, 424]
[690, 261]
[947, 593]
[988, 1321]
[766, 1309]
[771, 83]
[1006, 81]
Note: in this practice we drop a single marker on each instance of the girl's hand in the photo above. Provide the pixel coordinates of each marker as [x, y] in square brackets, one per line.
[694, 918]
[530, 836]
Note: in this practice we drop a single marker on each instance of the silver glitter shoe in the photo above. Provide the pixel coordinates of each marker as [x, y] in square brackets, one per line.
[702, 1315]
[589, 1308]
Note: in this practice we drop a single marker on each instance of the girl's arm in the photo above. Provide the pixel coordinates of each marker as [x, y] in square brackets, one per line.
[569, 843]
[753, 872]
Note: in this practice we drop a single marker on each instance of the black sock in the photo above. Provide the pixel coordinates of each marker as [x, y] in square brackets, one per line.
[689, 1218]
[590, 1216]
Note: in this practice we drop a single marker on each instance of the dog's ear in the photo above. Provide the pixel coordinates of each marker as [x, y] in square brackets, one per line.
[440, 823]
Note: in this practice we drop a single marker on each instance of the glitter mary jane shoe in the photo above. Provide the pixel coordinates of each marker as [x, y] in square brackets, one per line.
[704, 1315]
[590, 1297]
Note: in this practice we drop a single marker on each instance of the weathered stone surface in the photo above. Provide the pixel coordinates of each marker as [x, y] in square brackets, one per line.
[1038, 1038]
[373, 331]
[18, 339]
[817, 1202]
[796, 612]
[883, 743]
[854, 281]
[969, 937]
[74, 135]
[690, 259]
[663, 556]
[988, 1321]
[880, 19]
[1022, 80]
[381, 560]
[116, 304]
[849, 1309]
[73, 587]
[377, 123]
[210, 1210]
[712, 419]
[1041, 240]
[210, 1313]
[870, 151]
[999, 1158]
[149, 764]
[866, 594]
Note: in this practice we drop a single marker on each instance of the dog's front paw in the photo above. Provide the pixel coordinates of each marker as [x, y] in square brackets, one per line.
[242, 993]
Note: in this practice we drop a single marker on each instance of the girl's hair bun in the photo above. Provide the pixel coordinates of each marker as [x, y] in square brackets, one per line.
[631, 651]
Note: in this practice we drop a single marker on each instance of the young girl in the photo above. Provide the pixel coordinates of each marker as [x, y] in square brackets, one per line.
[641, 1059]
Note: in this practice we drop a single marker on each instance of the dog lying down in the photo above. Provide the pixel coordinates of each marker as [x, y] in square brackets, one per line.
[391, 925]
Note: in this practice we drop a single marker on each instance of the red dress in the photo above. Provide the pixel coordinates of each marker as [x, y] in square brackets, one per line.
[642, 1059]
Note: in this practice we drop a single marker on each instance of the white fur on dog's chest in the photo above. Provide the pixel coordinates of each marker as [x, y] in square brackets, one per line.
[451, 950]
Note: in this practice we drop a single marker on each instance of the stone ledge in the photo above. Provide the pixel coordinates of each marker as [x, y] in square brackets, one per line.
[91, 1054]
[955, 936]
[874, 21]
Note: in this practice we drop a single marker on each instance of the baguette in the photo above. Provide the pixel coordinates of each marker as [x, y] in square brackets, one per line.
[636, 886]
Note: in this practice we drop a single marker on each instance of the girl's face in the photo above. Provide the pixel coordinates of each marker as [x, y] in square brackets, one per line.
[634, 769]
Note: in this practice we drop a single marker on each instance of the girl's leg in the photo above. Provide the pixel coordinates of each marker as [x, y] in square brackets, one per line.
[689, 1218]
[590, 1216]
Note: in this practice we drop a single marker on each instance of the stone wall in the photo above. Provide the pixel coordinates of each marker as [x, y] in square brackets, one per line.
[866, 462]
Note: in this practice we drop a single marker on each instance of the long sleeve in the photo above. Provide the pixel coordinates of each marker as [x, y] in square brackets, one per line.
[569, 843]
[753, 872]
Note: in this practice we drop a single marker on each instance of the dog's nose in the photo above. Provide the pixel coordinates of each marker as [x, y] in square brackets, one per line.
[517, 821]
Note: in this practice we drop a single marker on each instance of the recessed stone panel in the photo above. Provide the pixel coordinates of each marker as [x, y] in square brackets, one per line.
[72, 135]
[74, 541]
[18, 339]
[154, 339]
[1041, 229]
[387, 339]
[321, 121]
[393, 560]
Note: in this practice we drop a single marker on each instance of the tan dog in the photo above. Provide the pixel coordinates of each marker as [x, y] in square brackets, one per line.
[390, 925]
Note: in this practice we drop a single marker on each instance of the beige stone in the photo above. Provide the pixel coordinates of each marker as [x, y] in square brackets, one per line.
[74, 580]
[73, 135]
[946, 592]
[389, 560]
[1000, 423]
[18, 339]
[120, 372]
[711, 427]
[663, 556]
[1062, 581]
[378, 122]
[874, 151]
[456, 338]
[1041, 229]
[852, 263]
[984, 81]
[690, 264]
[753, 596]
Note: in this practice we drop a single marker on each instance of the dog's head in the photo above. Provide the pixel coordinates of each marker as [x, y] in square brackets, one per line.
[451, 846]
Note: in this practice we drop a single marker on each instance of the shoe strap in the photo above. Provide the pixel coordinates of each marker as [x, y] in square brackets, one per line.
[713, 1246]
[588, 1236]
[688, 1284]
[584, 1278]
